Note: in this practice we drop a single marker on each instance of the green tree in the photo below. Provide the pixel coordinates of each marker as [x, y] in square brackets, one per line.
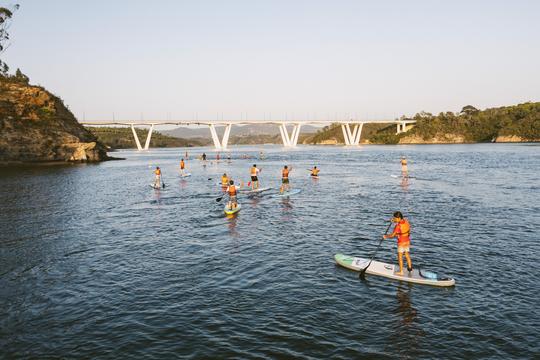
[5, 22]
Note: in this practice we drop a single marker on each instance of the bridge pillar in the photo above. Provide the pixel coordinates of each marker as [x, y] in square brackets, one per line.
[226, 134]
[345, 135]
[220, 145]
[296, 134]
[139, 147]
[284, 135]
[292, 140]
[352, 137]
[215, 137]
[148, 137]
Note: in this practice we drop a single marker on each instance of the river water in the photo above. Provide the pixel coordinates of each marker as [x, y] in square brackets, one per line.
[96, 264]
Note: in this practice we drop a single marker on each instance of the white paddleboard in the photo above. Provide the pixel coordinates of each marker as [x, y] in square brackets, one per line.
[290, 192]
[258, 190]
[185, 175]
[418, 276]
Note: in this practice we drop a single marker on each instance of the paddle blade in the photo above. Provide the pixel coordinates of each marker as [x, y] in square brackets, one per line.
[219, 199]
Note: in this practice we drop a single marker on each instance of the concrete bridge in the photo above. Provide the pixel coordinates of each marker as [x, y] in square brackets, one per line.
[351, 136]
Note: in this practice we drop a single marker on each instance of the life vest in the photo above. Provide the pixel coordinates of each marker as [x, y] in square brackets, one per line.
[224, 180]
[285, 173]
[404, 162]
[403, 231]
[231, 190]
[157, 172]
[254, 171]
[314, 172]
[182, 164]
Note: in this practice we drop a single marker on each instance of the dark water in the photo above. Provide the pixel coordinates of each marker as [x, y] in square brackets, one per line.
[96, 264]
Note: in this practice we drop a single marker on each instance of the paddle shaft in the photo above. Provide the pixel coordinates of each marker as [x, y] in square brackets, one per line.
[363, 271]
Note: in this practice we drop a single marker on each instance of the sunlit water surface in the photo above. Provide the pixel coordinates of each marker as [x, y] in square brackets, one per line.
[95, 263]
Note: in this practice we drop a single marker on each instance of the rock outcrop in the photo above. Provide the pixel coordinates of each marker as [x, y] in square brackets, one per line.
[35, 126]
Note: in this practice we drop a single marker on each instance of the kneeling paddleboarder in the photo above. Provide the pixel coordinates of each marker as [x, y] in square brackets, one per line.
[402, 231]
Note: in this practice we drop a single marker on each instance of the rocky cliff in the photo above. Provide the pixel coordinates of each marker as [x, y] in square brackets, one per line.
[35, 126]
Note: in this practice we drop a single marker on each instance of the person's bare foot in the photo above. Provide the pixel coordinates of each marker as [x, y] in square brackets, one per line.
[399, 273]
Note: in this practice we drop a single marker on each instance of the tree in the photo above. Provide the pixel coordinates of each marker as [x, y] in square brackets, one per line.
[5, 22]
[469, 110]
[19, 76]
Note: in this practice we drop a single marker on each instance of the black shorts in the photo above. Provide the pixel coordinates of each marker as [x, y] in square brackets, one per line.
[285, 180]
[254, 178]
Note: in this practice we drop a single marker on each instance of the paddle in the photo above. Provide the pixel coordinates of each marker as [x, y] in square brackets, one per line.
[362, 274]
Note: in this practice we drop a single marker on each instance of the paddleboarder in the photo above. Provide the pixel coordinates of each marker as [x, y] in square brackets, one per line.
[254, 177]
[224, 180]
[182, 166]
[232, 190]
[314, 171]
[204, 156]
[157, 181]
[402, 230]
[285, 185]
[404, 169]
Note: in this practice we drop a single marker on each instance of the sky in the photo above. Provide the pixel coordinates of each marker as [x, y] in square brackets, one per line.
[291, 59]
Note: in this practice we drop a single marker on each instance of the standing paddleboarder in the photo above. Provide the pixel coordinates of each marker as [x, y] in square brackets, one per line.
[402, 230]
[285, 185]
[254, 177]
[182, 167]
[404, 169]
[157, 181]
[232, 191]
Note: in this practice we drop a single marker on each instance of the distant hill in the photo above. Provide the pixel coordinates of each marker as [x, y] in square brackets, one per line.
[516, 123]
[236, 131]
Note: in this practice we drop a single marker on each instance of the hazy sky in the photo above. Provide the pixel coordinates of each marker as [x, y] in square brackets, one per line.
[364, 59]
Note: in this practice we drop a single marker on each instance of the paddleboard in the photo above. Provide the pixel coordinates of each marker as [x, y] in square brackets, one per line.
[185, 175]
[418, 276]
[401, 176]
[258, 190]
[155, 188]
[231, 211]
[288, 193]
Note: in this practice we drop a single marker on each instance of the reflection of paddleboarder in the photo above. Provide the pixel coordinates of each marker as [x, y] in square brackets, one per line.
[402, 231]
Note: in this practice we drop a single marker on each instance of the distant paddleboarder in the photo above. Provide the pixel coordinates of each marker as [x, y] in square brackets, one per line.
[157, 180]
[402, 231]
[404, 169]
[182, 167]
[285, 185]
[314, 171]
[204, 156]
[254, 177]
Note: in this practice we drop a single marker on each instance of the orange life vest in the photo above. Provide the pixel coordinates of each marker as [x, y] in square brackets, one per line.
[315, 172]
[404, 162]
[253, 171]
[157, 172]
[231, 190]
[182, 164]
[403, 232]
